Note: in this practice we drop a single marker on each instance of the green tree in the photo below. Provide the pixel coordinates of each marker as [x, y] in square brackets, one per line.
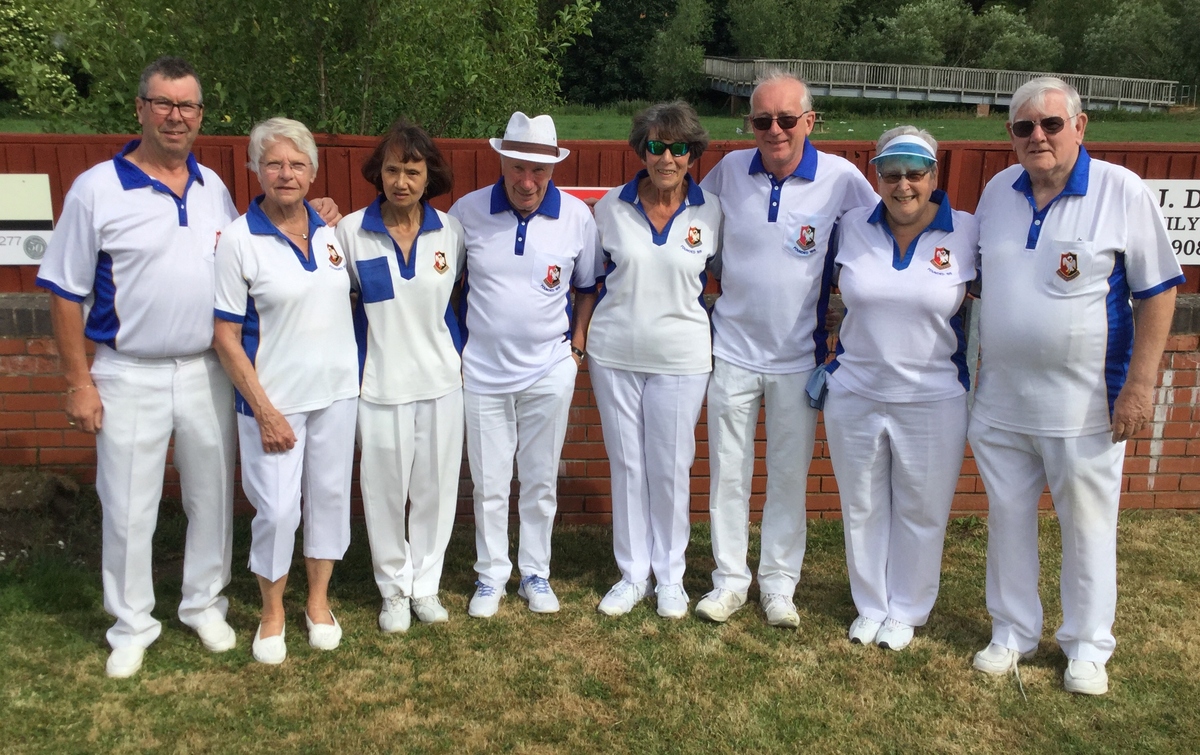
[674, 64]
[805, 29]
[608, 66]
[32, 69]
[1136, 39]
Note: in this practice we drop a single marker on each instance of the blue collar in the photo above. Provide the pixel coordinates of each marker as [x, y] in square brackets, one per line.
[261, 225]
[1077, 182]
[807, 169]
[695, 195]
[942, 221]
[133, 177]
[373, 218]
[549, 207]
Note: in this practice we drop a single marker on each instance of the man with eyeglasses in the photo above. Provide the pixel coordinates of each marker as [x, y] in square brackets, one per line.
[781, 202]
[1068, 373]
[130, 268]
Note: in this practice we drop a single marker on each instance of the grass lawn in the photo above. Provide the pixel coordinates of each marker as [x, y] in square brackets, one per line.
[580, 682]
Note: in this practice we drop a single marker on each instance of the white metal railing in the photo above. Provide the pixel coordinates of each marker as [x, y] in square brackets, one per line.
[979, 82]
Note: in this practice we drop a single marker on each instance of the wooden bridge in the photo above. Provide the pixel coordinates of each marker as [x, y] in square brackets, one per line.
[976, 86]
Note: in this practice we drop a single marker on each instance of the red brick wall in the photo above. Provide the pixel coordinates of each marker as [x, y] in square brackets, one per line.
[1162, 469]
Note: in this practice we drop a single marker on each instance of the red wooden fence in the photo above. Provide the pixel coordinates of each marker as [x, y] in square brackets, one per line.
[965, 168]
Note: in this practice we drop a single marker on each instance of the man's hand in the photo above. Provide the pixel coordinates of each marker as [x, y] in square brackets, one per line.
[1131, 411]
[328, 210]
[84, 411]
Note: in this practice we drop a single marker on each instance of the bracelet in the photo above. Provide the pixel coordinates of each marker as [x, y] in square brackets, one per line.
[578, 352]
[69, 391]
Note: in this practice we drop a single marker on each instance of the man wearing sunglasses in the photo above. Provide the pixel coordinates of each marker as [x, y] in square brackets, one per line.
[130, 268]
[1068, 373]
[781, 202]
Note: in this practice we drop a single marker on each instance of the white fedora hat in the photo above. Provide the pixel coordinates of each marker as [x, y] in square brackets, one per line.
[530, 139]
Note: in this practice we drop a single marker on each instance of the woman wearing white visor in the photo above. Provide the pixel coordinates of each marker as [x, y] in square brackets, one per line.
[896, 409]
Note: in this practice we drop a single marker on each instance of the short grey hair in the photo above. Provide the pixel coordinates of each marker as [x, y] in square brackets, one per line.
[1034, 91]
[778, 74]
[170, 68]
[674, 121]
[274, 129]
[920, 133]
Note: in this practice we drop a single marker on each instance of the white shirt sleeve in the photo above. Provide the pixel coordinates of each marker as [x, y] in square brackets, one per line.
[232, 284]
[69, 267]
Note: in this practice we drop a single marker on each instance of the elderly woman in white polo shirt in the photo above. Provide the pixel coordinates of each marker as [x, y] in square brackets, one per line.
[896, 409]
[405, 258]
[651, 351]
[284, 333]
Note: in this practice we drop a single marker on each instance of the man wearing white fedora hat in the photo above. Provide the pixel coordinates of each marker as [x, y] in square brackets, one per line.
[528, 245]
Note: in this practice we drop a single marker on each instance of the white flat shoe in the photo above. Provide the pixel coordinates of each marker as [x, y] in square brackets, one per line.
[270, 650]
[324, 636]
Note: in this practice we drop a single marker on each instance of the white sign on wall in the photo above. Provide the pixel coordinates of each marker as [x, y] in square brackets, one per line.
[26, 218]
[1180, 205]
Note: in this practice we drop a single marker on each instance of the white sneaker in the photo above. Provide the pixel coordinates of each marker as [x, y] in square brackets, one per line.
[623, 596]
[863, 630]
[719, 604]
[324, 636]
[429, 610]
[672, 601]
[395, 615]
[485, 602]
[536, 590]
[894, 635]
[271, 650]
[999, 660]
[780, 610]
[217, 636]
[124, 662]
[1085, 678]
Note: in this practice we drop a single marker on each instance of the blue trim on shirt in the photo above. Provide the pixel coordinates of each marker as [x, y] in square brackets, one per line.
[359, 317]
[462, 307]
[1120, 332]
[250, 341]
[133, 177]
[260, 225]
[820, 335]
[1077, 186]
[550, 207]
[806, 169]
[959, 357]
[58, 290]
[942, 221]
[629, 193]
[103, 324]
[455, 332]
[1154, 290]
[373, 222]
[222, 314]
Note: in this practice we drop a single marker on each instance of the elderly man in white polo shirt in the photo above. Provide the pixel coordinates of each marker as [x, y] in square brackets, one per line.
[131, 268]
[528, 245]
[781, 203]
[1068, 373]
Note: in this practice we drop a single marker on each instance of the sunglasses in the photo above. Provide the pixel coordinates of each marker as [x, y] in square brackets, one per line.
[1051, 125]
[912, 176]
[679, 149]
[786, 122]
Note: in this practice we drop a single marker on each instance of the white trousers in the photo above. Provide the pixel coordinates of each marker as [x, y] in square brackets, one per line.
[896, 465]
[649, 424]
[145, 401]
[411, 454]
[1084, 475]
[312, 477]
[734, 397]
[530, 424]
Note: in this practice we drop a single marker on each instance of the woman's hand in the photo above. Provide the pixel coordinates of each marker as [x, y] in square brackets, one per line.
[276, 432]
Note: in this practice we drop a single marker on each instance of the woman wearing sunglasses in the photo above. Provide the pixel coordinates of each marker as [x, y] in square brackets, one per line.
[896, 410]
[651, 351]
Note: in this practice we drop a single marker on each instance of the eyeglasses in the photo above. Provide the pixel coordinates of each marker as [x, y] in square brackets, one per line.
[1051, 125]
[679, 149]
[162, 106]
[912, 176]
[275, 167]
[786, 122]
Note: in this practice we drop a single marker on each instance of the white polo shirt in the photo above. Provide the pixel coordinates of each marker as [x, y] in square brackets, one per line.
[518, 285]
[651, 315]
[297, 328]
[408, 335]
[138, 257]
[902, 339]
[776, 271]
[1056, 325]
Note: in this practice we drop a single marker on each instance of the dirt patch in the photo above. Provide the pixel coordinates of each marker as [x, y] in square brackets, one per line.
[42, 510]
